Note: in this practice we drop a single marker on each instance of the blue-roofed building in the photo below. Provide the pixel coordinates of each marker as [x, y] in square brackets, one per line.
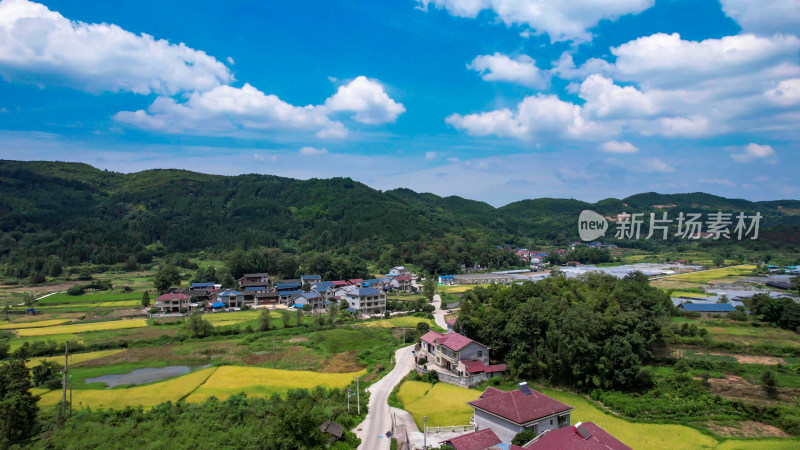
[289, 286]
[446, 280]
[289, 294]
[255, 289]
[321, 286]
[707, 309]
[203, 286]
[310, 279]
[312, 298]
[231, 298]
[367, 300]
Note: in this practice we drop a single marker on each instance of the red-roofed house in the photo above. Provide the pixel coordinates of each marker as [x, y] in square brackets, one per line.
[355, 281]
[478, 440]
[403, 282]
[582, 436]
[509, 413]
[172, 302]
[339, 283]
[459, 356]
[451, 324]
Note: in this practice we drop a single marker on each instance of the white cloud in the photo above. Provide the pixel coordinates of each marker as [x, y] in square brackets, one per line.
[604, 99]
[311, 151]
[768, 17]
[367, 99]
[42, 47]
[230, 60]
[656, 165]
[561, 20]
[521, 70]
[619, 147]
[720, 181]
[683, 126]
[752, 152]
[535, 116]
[786, 93]
[430, 155]
[226, 110]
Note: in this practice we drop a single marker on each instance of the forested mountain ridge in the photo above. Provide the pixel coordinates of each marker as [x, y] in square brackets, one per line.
[80, 213]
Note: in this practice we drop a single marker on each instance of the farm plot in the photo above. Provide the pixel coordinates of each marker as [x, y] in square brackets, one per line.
[229, 380]
[82, 327]
[404, 322]
[39, 324]
[443, 404]
[75, 358]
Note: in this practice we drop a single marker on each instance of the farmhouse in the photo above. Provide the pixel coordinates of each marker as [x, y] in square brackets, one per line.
[458, 356]
[314, 299]
[230, 299]
[399, 270]
[707, 309]
[509, 413]
[585, 435]
[172, 302]
[446, 280]
[366, 300]
[310, 279]
[253, 279]
[478, 440]
[403, 282]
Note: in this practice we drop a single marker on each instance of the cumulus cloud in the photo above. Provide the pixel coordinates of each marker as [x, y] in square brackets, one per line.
[311, 151]
[226, 109]
[619, 147]
[538, 115]
[430, 155]
[786, 93]
[520, 70]
[367, 99]
[753, 152]
[43, 47]
[774, 16]
[561, 20]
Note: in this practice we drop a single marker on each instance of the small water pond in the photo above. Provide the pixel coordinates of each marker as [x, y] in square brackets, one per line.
[145, 375]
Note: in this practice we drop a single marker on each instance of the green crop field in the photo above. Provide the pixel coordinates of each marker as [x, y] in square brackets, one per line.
[405, 322]
[443, 404]
[82, 327]
[229, 380]
[59, 338]
[61, 298]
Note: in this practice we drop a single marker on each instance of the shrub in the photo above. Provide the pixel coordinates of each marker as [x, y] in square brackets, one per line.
[644, 378]
[523, 437]
[154, 310]
[76, 290]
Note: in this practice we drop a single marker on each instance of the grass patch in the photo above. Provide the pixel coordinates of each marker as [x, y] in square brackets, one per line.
[39, 324]
[229, 380]
[145, 396]
[58, 338]
[58, 299]
[400, 322]
[82, 327]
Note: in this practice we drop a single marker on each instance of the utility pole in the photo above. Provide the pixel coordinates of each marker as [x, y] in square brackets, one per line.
[358, 396]
[424, 432]
[66, 370]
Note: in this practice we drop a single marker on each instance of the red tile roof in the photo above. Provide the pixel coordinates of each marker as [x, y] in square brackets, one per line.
[478, 440]
[355, 280]
[168, 297]
[568, 438]
[403, 278]
[455, 341]
[452, 321]
[339, 283]
[430, 336]
[518, 407]
[476, 366]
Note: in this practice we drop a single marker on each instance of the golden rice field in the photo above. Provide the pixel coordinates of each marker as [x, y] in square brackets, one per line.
[75, 358]
[704, 276]
[146, 396]
[455, 289]
[39, 324]
[120, 303]
[406, 322]
[688, 294]
[443, 404]
[257, 381]
[82, 327]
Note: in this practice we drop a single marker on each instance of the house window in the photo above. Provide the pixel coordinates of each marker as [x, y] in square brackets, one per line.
[480, 353]
[563, 421]
[551, 422]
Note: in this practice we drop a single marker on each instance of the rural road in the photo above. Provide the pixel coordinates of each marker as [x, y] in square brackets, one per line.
[372, 431]
[438, 314]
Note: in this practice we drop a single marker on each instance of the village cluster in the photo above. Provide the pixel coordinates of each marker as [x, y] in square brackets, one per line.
[309, 292]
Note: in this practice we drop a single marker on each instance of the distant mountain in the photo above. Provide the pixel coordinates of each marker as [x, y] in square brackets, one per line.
[79, 213]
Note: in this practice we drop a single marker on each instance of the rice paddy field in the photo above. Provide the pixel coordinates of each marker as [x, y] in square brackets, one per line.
[74, 358]
[457, 289]
[82, 327]
[62, 298]
[400, 322]
[37, 324]
[229, 380]
[445, 404]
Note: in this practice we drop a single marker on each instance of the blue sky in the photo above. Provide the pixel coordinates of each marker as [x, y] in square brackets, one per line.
[495, 100]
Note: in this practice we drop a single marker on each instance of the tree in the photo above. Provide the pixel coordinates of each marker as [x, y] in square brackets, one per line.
[429, 288]
[307, 307]
[723, 299]
[795, 283]
[423, 327]
[18, 409]
[718, 261]
[167, 277]
[47, 374]
[264, 321]
[30, 300]
[770, 382]
[299, 317]
[197, 326]
[343, 305]
[285, 317]
[146, 299]
[306, 287]
[4, 347]
[523, 437]
[154, 310]
[333, 309]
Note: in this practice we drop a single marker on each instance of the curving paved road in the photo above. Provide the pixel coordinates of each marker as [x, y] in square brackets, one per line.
[372, 431]
[438, 314]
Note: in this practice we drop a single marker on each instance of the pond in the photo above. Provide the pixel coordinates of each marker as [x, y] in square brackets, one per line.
[145, 375]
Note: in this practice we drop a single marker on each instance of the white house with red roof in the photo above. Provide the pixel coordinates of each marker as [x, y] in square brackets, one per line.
[455, 355]
[172, 302]
[510, 413]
